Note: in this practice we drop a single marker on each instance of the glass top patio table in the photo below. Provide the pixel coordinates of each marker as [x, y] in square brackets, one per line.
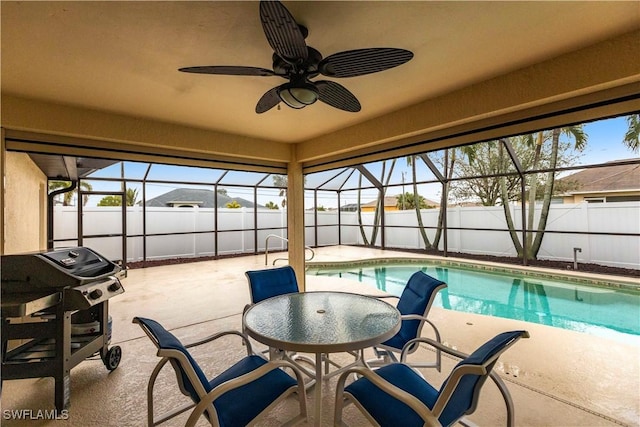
[325, 322]
[320, 323]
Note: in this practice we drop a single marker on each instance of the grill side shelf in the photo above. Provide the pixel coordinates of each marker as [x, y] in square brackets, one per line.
[21, 305]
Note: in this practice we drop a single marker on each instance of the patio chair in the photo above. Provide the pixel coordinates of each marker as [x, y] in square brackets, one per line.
[272, 282]
[269, 283]
[241, 394]
[414, 305]
[396, 394]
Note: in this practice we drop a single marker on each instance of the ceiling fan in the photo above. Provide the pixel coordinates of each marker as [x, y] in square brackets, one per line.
[298, 63]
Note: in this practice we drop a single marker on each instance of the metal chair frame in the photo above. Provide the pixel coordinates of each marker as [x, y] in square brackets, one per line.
[430, 416]
[205, 405]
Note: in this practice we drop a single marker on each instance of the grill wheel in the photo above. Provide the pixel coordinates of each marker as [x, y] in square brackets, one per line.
[112, 358]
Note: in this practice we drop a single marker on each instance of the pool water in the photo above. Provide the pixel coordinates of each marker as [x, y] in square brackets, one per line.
[599, 311]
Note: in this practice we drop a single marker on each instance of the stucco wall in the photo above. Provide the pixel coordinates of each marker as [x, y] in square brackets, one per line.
[579, 198]
[25, 205]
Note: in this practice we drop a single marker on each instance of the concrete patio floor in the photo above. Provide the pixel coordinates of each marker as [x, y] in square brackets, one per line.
[557, 377]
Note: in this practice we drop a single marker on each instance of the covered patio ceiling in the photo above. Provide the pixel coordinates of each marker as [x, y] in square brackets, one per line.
[107, 71]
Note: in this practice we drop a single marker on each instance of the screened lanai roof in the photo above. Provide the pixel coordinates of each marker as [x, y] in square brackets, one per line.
[59, 94]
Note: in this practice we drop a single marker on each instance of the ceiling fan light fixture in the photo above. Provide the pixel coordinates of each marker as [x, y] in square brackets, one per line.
[298, 95]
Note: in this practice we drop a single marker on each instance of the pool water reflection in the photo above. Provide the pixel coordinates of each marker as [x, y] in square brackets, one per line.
[596, 310]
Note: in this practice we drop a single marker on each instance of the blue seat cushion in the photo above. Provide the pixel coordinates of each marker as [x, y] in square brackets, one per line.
[239, 406]
[166, 340]
[397, 341]
[416, 298]
[272, 282]
[386, 410]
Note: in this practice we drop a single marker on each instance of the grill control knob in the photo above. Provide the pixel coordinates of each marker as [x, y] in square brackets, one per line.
[95, 294]
[114, 286]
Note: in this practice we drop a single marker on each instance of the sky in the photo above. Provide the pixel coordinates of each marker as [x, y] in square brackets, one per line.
[604, 144]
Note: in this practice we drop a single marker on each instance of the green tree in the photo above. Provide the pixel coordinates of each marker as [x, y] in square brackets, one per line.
[131, 195]
[449, 161]
[281, 182]
[484, 160]
[233, 205]
[407, 201]
[411, 161]
[68, 197]
[271, 205]
[632, 137]
[576, 133]
[110, 201]
[493, 178]
[379, 208]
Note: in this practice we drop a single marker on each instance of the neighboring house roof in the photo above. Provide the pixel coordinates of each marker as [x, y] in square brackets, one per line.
[393, 201]
[196, 197]
[388, 201]
[351, 207]
[605, 179]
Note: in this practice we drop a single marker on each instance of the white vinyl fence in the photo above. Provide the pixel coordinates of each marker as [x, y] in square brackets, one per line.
[236, 234]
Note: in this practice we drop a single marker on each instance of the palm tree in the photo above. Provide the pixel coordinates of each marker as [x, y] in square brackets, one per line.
[68, 196]
[407, 201]
[380, 204]
[365, 241]
[271, 205]
[385, 177]
[281, 181]
[233, 205]
[131, 196]
[411, 161]
[531, 249]
[632, 137]
[450, 163]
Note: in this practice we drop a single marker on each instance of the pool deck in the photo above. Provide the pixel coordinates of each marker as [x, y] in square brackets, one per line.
[556, 377]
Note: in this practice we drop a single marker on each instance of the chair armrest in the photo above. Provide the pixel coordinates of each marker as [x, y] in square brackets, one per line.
[437, 345]
[412, 317]
[410, 400]
[239, 382]
[220, 335]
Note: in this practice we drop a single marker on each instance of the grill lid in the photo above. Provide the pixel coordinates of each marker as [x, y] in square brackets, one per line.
[57, 269]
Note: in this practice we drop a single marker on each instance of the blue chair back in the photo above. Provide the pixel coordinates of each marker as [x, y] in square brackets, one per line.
[465, 397]
[167, 341]
[271, 282]
[417, 298]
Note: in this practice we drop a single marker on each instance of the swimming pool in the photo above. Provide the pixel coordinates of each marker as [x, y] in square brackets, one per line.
[601, 311]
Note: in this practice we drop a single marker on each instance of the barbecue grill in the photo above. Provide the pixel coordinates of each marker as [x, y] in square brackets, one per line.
[44, 294]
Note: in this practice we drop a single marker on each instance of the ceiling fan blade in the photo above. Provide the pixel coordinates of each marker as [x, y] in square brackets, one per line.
[269, 100]
[282, 31]
[337, 96]
[229, 70]
[359, 62]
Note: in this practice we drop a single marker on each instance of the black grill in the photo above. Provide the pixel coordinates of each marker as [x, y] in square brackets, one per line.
[43, 294]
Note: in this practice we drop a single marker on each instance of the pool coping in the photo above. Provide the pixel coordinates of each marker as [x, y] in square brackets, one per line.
[590, 279]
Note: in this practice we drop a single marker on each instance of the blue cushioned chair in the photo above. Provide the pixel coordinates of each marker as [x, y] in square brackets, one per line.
[272, 282]
[269, 283]
[397, 395]
[414, 305]
[239, 395]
